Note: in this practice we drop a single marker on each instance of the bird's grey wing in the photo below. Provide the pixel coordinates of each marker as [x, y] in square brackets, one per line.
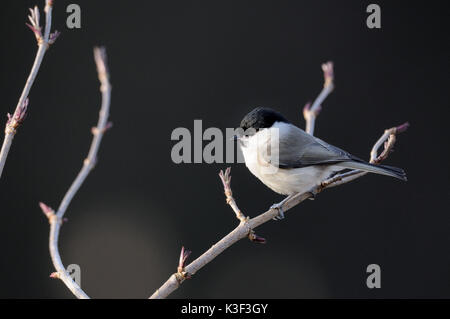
[299, 149]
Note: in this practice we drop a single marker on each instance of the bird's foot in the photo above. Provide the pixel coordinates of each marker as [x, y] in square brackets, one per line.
[279, 207]
[313, 193]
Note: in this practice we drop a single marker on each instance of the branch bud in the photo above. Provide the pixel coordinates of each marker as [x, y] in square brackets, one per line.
[328, 73]
[255, 238]
[53, 36]
[55, 275]
[184, 254]
[402, 128]
[47, 210]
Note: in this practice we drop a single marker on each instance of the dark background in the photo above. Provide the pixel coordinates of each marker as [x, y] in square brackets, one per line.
[175, 61]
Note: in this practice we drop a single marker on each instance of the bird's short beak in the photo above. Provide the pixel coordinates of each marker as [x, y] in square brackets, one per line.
[234, 138]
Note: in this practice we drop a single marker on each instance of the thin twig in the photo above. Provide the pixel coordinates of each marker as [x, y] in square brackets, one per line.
[310, 112]
[388, 139]
[56, 219]
[226, 181]
[225, 177]
[44, 41]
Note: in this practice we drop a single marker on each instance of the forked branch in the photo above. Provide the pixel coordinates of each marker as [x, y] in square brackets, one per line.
[246, 226]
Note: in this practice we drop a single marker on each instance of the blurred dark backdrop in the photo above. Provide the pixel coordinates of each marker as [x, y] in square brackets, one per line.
[175, 61]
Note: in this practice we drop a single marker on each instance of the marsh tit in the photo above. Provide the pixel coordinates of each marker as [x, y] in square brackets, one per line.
[290, 161]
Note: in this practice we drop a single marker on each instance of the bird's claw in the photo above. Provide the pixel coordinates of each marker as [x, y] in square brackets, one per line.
[313, 193]
[278, 207]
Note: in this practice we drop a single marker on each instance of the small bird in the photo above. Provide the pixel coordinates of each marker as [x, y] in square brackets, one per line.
[290, 161]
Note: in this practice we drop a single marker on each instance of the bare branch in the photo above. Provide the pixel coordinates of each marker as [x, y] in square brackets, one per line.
[43, 41]
[226, 180]
[247, 225]
[56, 219]
[310, 112]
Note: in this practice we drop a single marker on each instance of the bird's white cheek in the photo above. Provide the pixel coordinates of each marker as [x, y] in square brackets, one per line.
[248, 150]
[247, 154]
[255, 161]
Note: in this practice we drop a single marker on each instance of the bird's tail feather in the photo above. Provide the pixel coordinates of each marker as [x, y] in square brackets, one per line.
[377, 169]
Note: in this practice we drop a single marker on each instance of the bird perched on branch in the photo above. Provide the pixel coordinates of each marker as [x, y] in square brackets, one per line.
[290, 161]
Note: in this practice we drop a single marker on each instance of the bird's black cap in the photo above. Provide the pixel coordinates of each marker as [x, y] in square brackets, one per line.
[261, 117]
